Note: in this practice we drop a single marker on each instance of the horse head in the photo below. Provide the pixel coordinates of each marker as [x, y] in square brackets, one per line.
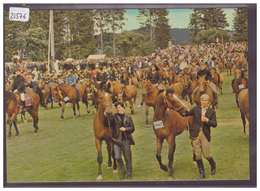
[213, 72]
[146, 86]
[105, 101]
[173, 102]
[238, 74]
[57, 93]
[185, 80]
[202, 83]
[110, 86]
[40, 83]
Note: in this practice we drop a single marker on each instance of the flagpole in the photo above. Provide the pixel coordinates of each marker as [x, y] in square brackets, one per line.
[49, 42]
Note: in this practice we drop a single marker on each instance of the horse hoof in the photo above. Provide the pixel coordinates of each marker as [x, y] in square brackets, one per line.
[194, 163]
[17, 135]
[245, 137]
[115, 171]
[10, 135]
[109, 168]
[25, 121]
[74, 116]
[147, 125]
[170, 178]
[99, 178]
[88, 111]
[165, 168]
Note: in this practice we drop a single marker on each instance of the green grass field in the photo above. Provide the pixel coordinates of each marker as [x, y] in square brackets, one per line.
[64, 151]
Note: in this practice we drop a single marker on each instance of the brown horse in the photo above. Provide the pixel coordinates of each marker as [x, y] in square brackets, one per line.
[47, 90]
[37, 98]
[68, 93]
[239, 83]
[167, 124]
[173, 77]
[177, 87]
[204, 89]
[130, 80]
[221, 65]
[129, 93]
[116, 89]
[165, 76]
[243, 102]
[149, 96]
[217, 79]
[88, 83]
[102, 132]
[11, 108]
[189, 85]
[229, 67]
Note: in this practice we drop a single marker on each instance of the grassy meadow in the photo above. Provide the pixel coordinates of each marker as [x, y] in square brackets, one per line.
[64, 151]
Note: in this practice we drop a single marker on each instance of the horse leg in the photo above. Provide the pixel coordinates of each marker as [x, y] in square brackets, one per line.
[244, 123]
[158, 155]
[74, 110]
[78, 109]
[62, 111]
[146, 114]
[34, 113]
[15, 126]
[172, 146]
[51, 102]
[131, 106]
[10, 127]
[98, 143]
[14, 122]
[109, 164]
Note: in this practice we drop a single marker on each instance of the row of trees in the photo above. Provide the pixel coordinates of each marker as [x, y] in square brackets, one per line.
[79, 33]
[207, 24]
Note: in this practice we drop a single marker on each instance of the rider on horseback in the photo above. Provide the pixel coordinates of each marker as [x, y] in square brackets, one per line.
[101, 77]
[130, 69]
[243, 66]
[71, 79]
[154, 77]
[203, 71]
[18, 86]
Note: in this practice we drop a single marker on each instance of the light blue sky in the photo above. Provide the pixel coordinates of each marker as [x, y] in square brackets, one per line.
[178, 18]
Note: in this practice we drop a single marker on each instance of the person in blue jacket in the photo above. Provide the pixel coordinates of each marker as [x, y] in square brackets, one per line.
[71, 79]
[176, 68]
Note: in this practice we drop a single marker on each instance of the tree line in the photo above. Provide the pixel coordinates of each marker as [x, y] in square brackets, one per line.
[79, 33]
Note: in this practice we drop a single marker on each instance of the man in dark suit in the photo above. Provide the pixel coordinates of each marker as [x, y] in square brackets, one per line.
[203, 118]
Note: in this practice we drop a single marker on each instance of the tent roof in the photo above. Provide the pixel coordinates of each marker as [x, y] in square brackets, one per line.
[96, 56]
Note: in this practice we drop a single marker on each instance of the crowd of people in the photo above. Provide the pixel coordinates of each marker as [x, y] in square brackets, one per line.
[193, 59]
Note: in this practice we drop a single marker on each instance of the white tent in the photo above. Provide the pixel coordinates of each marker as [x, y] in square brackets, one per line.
[96, 57]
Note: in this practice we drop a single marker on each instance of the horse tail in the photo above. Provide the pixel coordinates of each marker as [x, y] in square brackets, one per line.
[37, 90]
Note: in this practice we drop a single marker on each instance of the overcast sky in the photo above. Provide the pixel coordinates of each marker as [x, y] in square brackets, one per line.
[178, 18]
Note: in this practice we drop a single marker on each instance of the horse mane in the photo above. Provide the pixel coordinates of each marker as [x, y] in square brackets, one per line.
[170, 91]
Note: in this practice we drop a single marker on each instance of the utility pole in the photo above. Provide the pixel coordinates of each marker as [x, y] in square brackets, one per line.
[51, 43]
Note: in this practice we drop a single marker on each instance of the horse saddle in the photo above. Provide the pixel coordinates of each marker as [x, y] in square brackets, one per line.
[28, 99]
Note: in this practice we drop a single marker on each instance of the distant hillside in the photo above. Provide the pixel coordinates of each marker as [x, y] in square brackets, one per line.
[181, 35]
